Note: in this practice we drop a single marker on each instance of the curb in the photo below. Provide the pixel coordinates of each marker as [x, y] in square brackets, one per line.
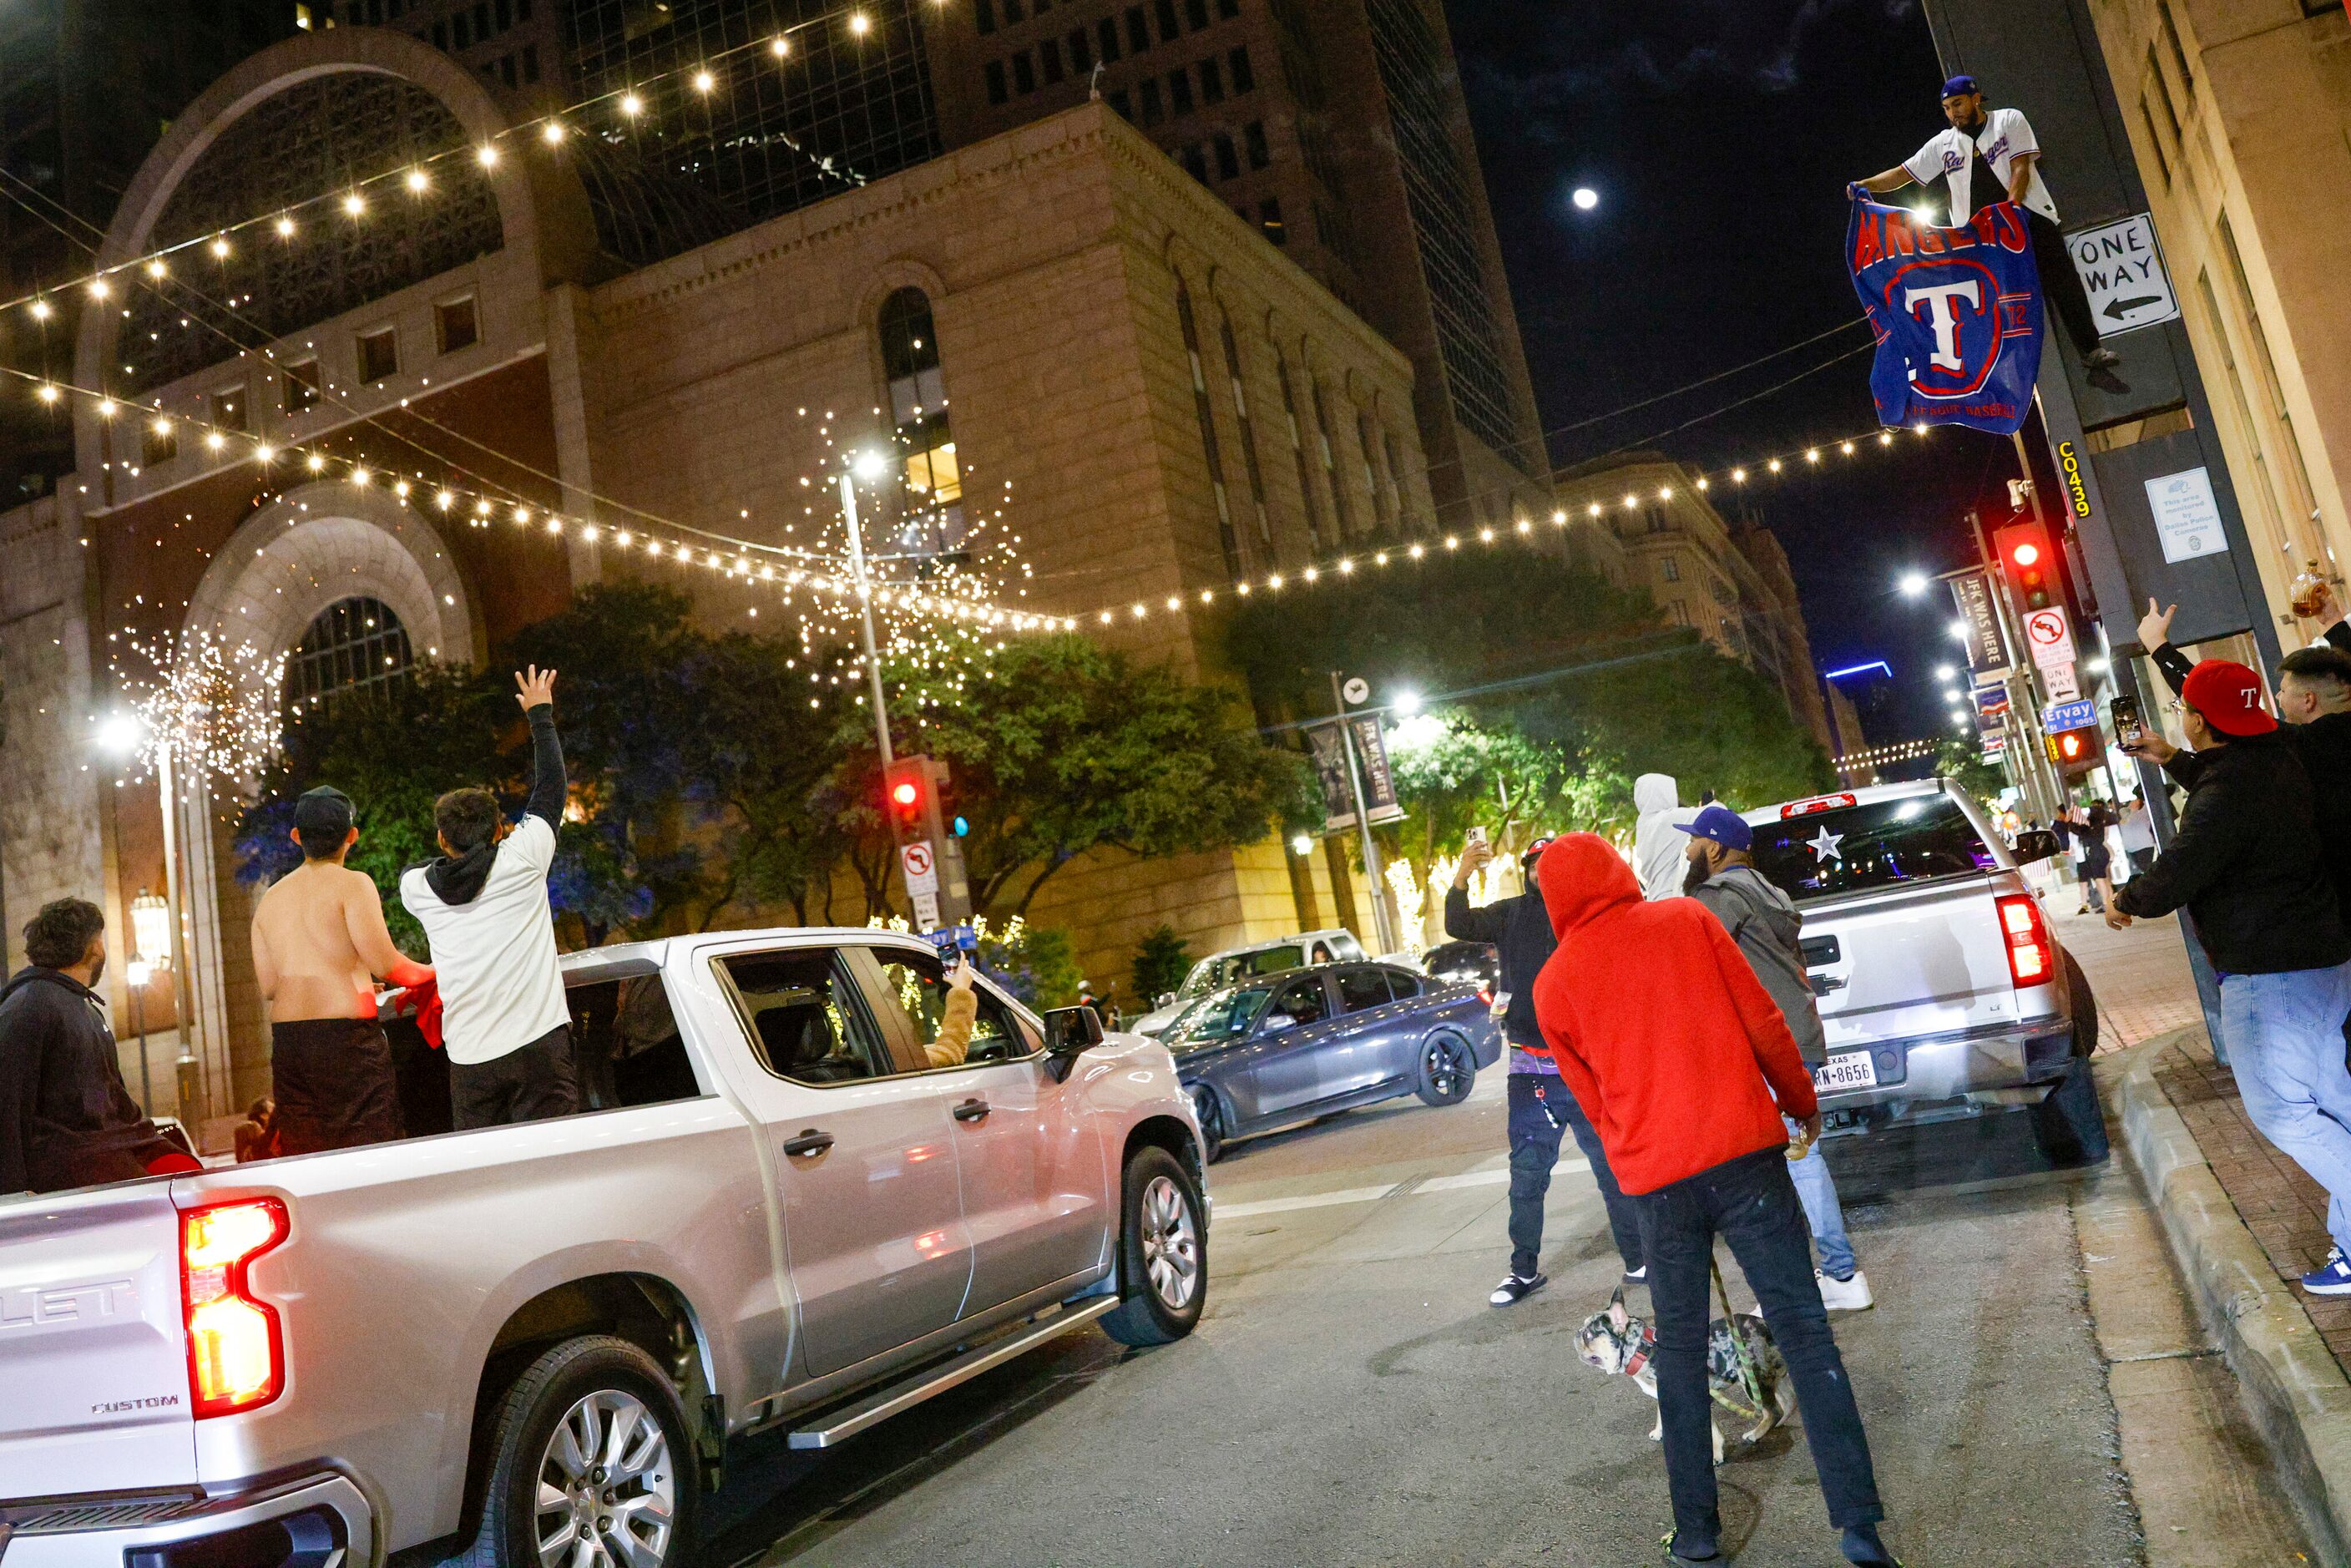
[2294, 1390]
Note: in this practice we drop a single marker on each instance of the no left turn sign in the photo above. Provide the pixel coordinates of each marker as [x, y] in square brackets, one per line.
[922, 871]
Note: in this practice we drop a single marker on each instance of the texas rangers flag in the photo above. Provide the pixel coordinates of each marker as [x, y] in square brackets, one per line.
[1957, 312]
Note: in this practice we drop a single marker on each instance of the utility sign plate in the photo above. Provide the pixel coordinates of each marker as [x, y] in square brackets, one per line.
[921, 870]
[2122, 272]
[2051, 636]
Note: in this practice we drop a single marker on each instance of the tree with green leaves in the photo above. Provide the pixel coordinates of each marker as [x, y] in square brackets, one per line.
[1962, 762]
[1058, 746]
[1160, 964]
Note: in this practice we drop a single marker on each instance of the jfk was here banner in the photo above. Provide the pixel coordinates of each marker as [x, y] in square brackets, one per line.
[1958, 315]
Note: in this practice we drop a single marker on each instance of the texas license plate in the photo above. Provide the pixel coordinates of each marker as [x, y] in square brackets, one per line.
[1851, 1069]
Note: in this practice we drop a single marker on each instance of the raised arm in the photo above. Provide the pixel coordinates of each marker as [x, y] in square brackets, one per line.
[363, 922]
[535, 693]
[2201, 851]
[2155, 636]
[1462, 922]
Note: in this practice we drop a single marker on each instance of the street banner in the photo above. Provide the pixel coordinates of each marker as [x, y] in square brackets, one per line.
[1956, 313]
[1992, 702]
[1328, 741]
[1986, 651]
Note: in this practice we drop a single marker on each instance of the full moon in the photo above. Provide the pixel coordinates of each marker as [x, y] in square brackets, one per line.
[1586, 198]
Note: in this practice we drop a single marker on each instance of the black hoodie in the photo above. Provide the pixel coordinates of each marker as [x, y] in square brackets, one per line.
[66, 1119]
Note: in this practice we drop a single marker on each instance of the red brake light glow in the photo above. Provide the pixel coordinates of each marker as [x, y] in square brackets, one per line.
[236, 1351]
[1818, 803]
[2032, 961]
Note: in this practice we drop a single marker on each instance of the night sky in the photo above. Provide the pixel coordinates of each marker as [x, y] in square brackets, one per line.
[1719, 135]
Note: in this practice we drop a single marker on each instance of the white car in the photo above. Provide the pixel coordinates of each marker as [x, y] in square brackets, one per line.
[528, 1345]
[1218, 970]
[1942, 989]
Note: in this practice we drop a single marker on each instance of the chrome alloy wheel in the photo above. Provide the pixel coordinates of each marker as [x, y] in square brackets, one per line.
[606, 1487]
[1171, 1244]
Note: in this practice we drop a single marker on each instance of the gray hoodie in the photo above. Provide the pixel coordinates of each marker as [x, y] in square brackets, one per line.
[1658, 849]
[1766, 926]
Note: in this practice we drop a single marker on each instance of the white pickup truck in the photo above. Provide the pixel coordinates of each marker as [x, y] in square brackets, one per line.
[1942, 990]
[531, 1344]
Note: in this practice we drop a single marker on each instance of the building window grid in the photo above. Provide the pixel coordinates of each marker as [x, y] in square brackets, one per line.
[1410, 62]
[1228, 539]
[934, 523]
[2266, 364]
[1298, 452]
[1394, 474]
[1343, 514]
[1368, 450]
[354, 647]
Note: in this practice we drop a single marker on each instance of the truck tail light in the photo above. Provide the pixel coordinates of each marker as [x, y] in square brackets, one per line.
[236, 1353]
[2031, 960]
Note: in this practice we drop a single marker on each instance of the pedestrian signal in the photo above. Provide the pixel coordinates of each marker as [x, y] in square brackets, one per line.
[2076, 751]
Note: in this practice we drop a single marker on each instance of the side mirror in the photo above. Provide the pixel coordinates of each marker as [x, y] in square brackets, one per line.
[1070, 1033]
[1164, 998]
[1277, 1023]
[2034, 845]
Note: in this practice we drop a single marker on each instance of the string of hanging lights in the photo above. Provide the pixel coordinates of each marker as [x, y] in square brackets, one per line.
[621, 110]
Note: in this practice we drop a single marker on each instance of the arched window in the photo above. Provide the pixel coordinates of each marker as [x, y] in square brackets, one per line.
[1227, 539]
[354, 647]
[1297, 451]
[1248, 439]
[918, 406]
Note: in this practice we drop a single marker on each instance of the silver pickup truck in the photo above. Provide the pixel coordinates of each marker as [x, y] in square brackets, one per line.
[531, 1344]
[1942, 989]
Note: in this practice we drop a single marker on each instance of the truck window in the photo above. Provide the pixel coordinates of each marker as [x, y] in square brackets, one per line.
[913, 985]
[1883, 844]
[626, 1042]
[806, 1022]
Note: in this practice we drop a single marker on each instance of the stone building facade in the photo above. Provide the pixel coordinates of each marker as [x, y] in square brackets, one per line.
[1730, 583]
[2239, 113]
[1114, 343]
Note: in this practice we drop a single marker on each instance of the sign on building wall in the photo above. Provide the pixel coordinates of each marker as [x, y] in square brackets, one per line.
[2122, 274]
[2186, 516]
[2077, 495]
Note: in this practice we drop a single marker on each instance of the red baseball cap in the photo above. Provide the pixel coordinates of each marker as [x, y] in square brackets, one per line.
[2228, 696]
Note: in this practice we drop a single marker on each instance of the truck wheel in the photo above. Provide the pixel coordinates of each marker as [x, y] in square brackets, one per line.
[1447, 1069]
[588, 1464]
[1209, 1112]
[1163, 1253]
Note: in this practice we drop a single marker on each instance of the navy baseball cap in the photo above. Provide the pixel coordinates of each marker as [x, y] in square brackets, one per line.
[1723, 825]
[1960, 84]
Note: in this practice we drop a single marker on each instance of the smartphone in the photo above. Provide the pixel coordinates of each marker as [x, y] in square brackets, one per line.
[2129, 728]
[1476, 835]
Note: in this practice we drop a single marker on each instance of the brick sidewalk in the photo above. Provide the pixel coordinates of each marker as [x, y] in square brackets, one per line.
[2144, 989]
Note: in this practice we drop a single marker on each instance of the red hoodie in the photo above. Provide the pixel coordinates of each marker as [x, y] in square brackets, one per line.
[1658, 1023]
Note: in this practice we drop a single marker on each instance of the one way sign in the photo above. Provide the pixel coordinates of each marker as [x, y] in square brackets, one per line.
[2122, 274]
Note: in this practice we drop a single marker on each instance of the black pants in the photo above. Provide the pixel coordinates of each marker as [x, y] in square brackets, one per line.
[1750, 1203]
[333, 1083]
[529, 1083]
[1540, 1108]
[2061, 286]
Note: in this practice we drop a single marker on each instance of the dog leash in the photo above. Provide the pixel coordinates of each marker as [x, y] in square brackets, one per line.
[1746, 1378]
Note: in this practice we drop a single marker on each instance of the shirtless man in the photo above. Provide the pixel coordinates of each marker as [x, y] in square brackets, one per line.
[319, 940]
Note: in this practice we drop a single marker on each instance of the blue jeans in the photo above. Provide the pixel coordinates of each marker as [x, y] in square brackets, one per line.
[1817, 1189]
[1541, 1108]
[1750, 1203]
[2284, 1035]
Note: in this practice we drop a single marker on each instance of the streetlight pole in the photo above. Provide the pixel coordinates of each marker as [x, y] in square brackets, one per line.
[1380, 927]
[872, 464]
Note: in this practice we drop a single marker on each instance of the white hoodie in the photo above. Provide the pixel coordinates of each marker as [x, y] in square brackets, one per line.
[1659, 853]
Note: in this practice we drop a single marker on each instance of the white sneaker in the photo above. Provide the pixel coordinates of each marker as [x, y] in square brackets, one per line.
[1845, 1295]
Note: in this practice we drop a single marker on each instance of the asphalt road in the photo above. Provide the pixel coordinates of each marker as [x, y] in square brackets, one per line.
[1350, 1398]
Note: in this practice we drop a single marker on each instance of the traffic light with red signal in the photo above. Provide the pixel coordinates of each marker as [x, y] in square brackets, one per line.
[2029, 561]
[2074, 752]
[910, 799]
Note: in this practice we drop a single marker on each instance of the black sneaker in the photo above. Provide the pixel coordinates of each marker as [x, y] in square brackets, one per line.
[1514, 1286]
[1711, 1555]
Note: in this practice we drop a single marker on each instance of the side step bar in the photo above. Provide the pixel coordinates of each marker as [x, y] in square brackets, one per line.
[846, 1421]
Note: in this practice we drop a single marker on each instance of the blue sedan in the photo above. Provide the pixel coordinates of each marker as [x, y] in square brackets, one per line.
[1286, 1048]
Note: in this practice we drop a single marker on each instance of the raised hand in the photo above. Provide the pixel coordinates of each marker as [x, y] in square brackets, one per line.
[537, 688]
[2155, 626]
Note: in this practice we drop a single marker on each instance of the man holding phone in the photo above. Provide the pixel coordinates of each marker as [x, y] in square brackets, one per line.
[1541, 1107]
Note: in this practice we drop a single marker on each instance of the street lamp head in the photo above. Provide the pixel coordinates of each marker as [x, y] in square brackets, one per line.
[1407, 702]
[1947, 673]
[869, 465]
[1300, 844]
[1912, 583]
[1586, 198]
[1958, 631]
